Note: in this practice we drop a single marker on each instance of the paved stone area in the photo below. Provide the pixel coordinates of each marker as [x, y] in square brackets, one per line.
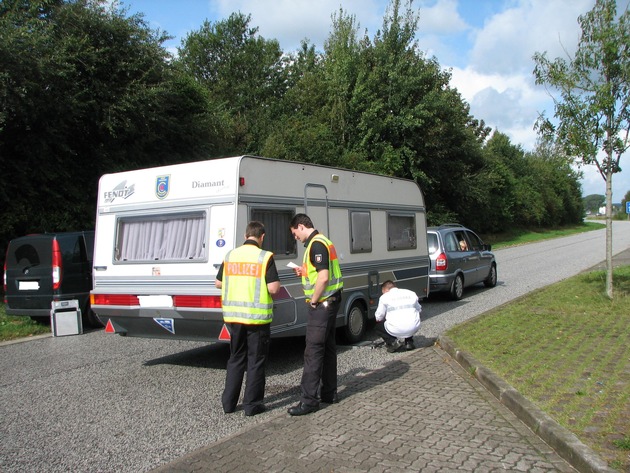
[422, 412]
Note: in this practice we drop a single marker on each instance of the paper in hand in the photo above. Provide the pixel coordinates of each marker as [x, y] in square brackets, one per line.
[291, 264]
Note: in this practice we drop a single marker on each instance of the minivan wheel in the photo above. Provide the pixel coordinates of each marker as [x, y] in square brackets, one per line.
[355, 329]
[457, 288]
[491, 280]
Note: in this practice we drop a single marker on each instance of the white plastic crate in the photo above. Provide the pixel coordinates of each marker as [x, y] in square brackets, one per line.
[65, 318]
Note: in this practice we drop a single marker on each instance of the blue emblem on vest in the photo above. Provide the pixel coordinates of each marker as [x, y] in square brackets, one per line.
[161, 186]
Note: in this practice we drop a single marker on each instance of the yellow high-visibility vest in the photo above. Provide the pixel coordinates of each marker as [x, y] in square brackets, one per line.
[244, 293]
[309, 273]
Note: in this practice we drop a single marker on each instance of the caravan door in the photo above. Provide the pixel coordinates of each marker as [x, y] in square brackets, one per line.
[316, 207]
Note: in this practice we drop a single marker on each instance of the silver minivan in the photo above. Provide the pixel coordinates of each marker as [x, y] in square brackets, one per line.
[459, 259]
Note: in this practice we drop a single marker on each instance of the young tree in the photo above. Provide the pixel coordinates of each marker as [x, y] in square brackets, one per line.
[593, 112]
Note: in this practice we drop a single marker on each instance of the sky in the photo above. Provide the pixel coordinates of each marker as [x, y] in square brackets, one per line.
[486, 44]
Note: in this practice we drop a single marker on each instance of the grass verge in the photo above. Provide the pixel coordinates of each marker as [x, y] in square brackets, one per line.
[566, 349]
[521, 236]
[13, 327]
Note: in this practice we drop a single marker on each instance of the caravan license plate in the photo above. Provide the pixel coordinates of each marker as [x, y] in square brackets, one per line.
[155, 301]
[28, 285]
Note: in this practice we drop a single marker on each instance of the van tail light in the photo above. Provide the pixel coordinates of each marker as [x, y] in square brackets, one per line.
[441, 263]
[4, 284]
[56, 265]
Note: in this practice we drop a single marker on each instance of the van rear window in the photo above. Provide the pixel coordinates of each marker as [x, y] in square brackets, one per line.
[171, 237]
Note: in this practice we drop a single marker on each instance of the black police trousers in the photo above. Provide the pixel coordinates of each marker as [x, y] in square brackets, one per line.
[320, 354]
[249, 346]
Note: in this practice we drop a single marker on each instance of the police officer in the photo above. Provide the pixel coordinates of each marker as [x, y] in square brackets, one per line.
[321, 279]
[247, 279]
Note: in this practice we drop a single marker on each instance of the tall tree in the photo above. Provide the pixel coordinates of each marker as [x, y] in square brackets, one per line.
[242, 71]
[410, 122]
[85, 90]
[594, 202]
[593, 110]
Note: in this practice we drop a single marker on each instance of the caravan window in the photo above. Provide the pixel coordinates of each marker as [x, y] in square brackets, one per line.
[360, 232]
[174, 237]
[278, 237]
[401, 231]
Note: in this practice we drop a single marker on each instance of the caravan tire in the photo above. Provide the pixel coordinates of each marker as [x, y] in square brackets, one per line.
[92, 320]
[355, 329]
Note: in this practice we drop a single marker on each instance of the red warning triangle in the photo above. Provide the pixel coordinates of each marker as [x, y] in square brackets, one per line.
[109, 328]
[225, 333]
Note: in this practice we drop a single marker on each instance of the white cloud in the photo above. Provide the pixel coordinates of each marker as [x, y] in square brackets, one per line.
[441, 18]
[510, 38]
[291, 21]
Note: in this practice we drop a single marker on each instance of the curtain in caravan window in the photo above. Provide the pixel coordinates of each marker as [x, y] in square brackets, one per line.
[164, 238]
[278, 237]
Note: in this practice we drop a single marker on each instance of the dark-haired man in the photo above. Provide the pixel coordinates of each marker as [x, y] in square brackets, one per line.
[247, 279]
[322, 283]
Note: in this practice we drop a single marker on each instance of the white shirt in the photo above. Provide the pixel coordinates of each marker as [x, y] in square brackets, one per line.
[401, 310]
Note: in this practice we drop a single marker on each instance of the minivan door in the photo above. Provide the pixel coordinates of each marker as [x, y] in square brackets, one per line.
[29, 274]
[483, 258]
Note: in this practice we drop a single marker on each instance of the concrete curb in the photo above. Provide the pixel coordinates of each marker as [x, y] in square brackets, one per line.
[25, 339]
[564, 442]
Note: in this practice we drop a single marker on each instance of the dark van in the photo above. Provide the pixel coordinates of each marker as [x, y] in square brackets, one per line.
[44, 267]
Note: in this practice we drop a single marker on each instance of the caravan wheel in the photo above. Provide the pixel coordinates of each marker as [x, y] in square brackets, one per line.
[357, 323]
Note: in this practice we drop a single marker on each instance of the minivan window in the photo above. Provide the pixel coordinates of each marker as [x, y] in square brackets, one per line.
[475, 242]
[26, 255]
[432, 242]
[174, 237]
[450, 242]
[462, 242]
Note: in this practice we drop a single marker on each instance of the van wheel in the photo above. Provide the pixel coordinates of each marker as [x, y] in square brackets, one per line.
[355, 329]
[491, 280]
[457, 288]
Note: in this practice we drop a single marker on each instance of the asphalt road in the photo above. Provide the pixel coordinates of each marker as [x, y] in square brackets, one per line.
[100, 402]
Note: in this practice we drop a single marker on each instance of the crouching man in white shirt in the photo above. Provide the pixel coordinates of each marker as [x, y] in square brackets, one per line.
[398, 317]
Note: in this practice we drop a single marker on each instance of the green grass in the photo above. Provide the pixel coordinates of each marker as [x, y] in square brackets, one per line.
[566, 349]
[521, 236]
[14, 327]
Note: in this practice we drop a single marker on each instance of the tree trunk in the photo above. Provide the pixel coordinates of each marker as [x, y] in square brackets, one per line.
[609, 266]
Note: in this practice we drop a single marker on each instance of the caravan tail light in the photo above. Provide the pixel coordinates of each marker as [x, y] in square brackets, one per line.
[56, 265]
[114, 299]
[206, 302]
[441, 263]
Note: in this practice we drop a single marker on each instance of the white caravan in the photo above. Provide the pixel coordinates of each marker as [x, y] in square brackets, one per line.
[162, 233]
